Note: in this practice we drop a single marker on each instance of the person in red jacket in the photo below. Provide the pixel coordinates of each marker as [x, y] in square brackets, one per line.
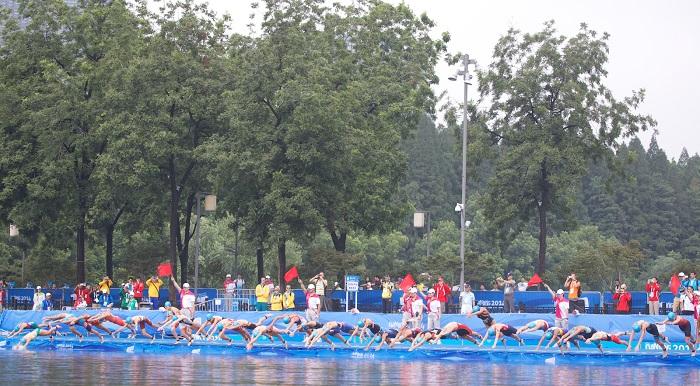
[653, 290]
[624, 299]
[442, 291]
[138, 290]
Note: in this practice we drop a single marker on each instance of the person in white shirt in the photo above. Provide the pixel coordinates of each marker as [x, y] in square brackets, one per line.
[687, 306]
[313, 304]
[39, 298]
[417, 307]
[434, 311]
[467, 300]
[522, 286]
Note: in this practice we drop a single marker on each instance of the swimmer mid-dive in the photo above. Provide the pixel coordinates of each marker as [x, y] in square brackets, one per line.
[430, 336]
[642, 327]
[211, 321]
[462, 331]
[33, 334]
[335, 329]
[270, 331]
[685, 326]
[535, 325]
[109, 317]
[406, 333]
[137, 323]
[553, 335]
[483, 314]
[21, 326]
[604, 336]
[578, 333]
[501, 331]
[366, 324]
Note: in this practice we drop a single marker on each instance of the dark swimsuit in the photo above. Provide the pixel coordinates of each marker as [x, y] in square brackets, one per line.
[487, 319]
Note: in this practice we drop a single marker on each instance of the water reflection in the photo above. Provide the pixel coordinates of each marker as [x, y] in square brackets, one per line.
[269, 368]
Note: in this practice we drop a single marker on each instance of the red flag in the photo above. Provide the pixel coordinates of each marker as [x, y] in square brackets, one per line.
[291, 274]
[675, 284]
[165, 269]
[407, 282]
[535, 280]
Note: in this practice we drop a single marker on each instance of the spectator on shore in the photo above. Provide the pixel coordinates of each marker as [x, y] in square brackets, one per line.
[522, 285]
[687, 301]
[240, 283]
[467, 300]
[47, 304]
[124, 296]
[229, 287]
[482, 287]
[653, 290]
[508, 286]
[434, 311]
[321, 284]
[561, 308]
[269, 283]
[138, 290]
[262, 294]
[574, 287]
[187, 298]
[387, 292]
[82, 293]
[615, 289]
[442, 292]
[624, 299]
[288, 298]
[367, 285]
[494, 286]
[154, 284]
[276, 300]
[690, 282]
[103, 287]
[676, 291]
[313, 304]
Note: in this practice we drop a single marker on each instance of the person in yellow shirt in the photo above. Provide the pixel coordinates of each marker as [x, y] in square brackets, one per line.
[262, 293]
[276, 300]
[104, 286]
[154, 284]
[288, 299]
[387, 289]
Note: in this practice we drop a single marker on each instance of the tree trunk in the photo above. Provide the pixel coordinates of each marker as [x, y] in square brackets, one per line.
[80, 253]
[542, 207]
[174, 223]
[339, 241]
[282, 260]
[109, 254]
[542, 212]
[261, 265]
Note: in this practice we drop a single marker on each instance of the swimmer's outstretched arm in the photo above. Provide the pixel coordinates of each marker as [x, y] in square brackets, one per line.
[539, 344]
[486, 336]
[419, 341]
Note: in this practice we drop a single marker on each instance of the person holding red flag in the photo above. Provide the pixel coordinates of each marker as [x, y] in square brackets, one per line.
[442, 291]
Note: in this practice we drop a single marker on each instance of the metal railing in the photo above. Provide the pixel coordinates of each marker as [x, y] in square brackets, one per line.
[238, 300]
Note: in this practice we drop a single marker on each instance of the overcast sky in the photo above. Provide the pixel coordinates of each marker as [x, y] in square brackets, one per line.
[654, 45]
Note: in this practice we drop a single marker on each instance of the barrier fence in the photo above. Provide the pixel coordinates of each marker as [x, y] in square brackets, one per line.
[212, 299]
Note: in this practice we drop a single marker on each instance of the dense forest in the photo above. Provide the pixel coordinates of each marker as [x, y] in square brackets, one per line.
[321, 134]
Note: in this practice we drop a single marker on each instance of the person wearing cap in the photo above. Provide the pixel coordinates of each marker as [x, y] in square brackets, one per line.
[229, 290]
[561, 308]
[434, 310]
[47, 304]
[320, 282]
[262, 294]
[624, 299]
[508, 292]
[313, 304]
[39, 298]
[676, 291]
[442, 292]
[467, 300]
[187, 298]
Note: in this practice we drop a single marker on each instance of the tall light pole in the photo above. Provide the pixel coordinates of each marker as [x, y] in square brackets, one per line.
[209, 206]
[464, 72]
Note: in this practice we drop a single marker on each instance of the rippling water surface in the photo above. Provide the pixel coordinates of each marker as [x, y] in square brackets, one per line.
[106, 368]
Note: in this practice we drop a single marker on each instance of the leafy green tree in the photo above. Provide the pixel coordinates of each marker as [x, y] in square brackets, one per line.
[550, 113]
[61, 68]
